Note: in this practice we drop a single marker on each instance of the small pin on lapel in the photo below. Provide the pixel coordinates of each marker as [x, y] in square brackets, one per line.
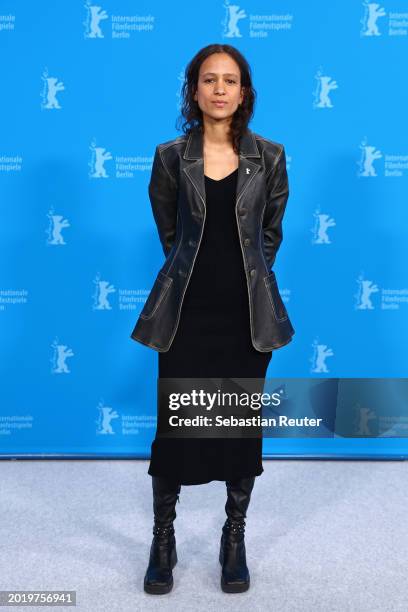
[248, 170]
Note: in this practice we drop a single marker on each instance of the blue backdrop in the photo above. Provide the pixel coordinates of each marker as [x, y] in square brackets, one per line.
[87, 93]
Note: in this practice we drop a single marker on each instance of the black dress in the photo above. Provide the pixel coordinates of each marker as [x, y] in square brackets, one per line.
[213, 339]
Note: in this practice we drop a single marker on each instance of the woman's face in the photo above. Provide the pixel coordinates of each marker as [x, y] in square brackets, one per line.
[219, 81]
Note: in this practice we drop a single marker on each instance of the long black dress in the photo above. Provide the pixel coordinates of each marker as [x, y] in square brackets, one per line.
[213, 340]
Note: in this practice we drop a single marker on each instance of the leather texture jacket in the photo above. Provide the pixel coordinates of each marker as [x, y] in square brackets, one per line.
[177, 196]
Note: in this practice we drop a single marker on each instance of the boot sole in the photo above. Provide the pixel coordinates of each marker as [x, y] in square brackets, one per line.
[234, 588]
[157, 589]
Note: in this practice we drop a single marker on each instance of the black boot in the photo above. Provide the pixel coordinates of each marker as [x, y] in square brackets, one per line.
[163, 555]
[235, 575]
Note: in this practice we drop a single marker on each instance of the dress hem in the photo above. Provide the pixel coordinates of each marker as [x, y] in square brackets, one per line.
[186, 482]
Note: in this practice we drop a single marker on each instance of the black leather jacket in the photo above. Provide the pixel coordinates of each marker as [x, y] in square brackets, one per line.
[177, 196]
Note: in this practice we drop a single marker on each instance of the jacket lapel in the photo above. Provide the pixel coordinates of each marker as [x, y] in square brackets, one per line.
[246, 168]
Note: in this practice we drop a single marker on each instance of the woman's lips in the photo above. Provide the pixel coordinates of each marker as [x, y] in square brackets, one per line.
[219, 104]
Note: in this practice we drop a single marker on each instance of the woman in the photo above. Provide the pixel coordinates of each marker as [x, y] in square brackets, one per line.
[218, 195]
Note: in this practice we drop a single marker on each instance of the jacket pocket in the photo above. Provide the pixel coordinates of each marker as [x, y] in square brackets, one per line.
[156, 296]
[278, 307]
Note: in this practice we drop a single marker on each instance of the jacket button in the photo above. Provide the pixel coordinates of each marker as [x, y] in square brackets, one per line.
[242, 211]
[247, 241]
[253, 272]
[192, 243]
[182, 273]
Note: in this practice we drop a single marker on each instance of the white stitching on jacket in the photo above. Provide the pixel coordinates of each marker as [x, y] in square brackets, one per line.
[276, 163]
[165, 167]
[271, 298]
[261, 240]
[179, 244]
[164, 292]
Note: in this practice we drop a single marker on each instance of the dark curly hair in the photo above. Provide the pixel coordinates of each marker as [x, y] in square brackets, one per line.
[191, 112]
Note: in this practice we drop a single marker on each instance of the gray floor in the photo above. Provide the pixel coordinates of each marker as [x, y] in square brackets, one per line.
[321, 535]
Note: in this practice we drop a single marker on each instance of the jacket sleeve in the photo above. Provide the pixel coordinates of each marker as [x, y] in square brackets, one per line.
[277, 187]
[163, 198]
